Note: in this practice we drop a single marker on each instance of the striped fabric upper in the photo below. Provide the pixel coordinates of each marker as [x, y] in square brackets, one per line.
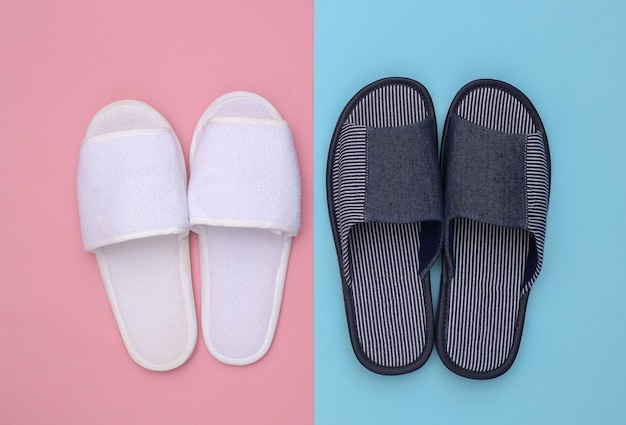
[379, 261]
[490, 261]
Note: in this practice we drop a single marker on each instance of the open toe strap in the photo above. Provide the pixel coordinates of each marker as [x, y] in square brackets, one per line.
[498, 179]
[245, 174]
[131, 185]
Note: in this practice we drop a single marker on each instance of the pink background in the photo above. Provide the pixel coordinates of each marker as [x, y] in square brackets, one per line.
[62, 359]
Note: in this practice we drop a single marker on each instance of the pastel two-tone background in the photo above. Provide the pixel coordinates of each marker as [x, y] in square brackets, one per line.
[62, 360]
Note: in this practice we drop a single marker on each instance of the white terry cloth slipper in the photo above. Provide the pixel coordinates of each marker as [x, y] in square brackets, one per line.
[133, 211]
[244, 203]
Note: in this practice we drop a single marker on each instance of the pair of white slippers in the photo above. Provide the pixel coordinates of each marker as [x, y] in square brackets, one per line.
[136, 211]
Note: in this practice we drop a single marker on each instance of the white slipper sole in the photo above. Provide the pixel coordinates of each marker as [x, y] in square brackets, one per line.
[244, 203]
[132, 167]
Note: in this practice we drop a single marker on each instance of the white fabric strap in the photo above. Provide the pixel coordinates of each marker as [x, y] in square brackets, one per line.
[244, 173]
[131, 185]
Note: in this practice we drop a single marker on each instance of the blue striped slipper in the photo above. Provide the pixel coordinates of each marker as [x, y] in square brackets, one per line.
[386, 211]
[496, 170]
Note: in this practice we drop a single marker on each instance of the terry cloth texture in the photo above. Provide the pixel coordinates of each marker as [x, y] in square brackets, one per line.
[239, 183]
[122, 178]
[384, 200]
[495, 161]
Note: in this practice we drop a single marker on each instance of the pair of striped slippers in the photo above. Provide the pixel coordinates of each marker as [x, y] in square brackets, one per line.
[394, 207]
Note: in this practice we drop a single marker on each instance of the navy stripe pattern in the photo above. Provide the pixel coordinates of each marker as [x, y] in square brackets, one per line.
[388, 296]
[537, 196]
[390, 106]
[490, 261]
[494, 108]
[379, 260]
[484, 293]
[349, 175]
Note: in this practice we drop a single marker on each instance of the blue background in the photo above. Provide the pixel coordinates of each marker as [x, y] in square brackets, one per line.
[569, 58]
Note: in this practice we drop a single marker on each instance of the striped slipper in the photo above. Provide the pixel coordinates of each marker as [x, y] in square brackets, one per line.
[386, 211]
[496, 170]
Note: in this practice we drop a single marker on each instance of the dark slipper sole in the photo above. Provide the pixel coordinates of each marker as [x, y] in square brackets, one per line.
[384, 202]
[495, 165]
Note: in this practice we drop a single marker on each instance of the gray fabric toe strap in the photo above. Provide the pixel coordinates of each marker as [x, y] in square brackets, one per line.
[485, 175]
[403, 183]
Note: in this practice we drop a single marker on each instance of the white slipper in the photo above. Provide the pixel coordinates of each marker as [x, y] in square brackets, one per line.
[133, 212]
[244, 203]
